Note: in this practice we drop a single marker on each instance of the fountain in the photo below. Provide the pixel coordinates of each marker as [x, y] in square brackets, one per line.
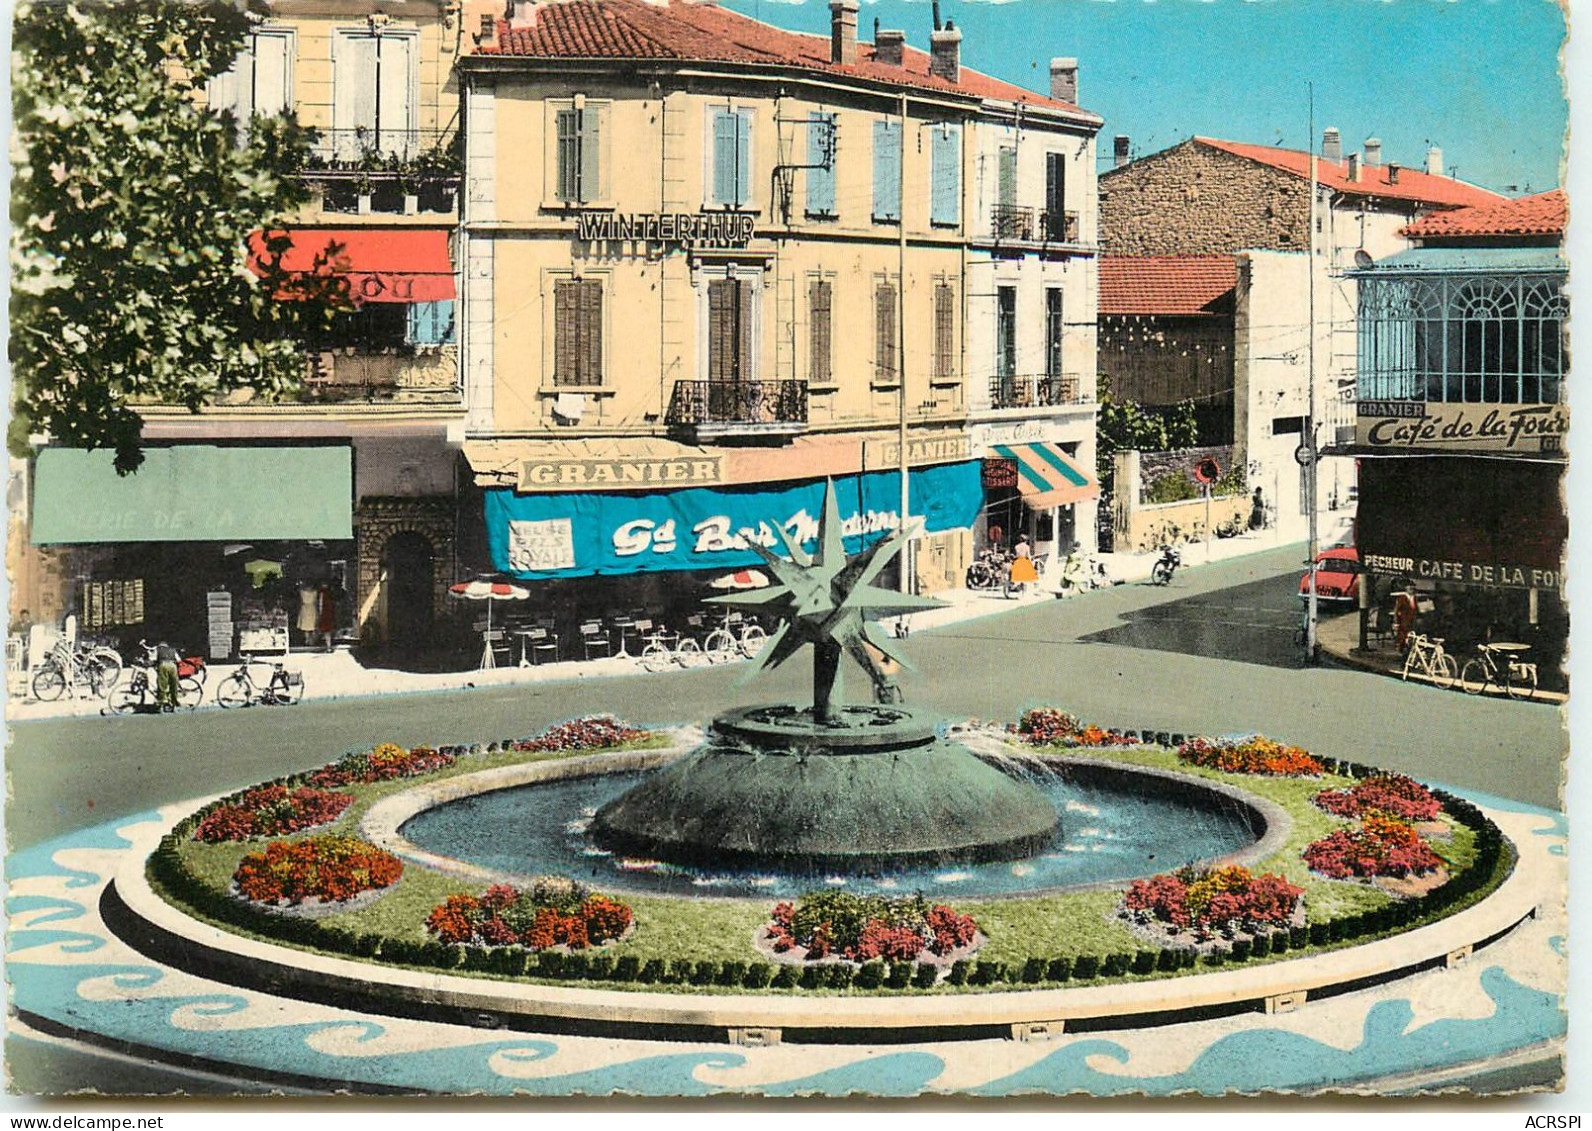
[834, 786]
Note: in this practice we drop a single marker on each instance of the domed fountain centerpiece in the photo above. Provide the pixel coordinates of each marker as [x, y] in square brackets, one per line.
[833, 786]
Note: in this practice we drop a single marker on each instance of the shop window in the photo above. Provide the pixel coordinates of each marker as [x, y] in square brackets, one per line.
[887, 171]
[578, 332]
[821, 139]
[887, 367]
[731, 174]
[259, 80]
[820, 368]
[374, 80]
[944, 332]
[732, 324]
[945, 176]
[109, 603]
[580, 133]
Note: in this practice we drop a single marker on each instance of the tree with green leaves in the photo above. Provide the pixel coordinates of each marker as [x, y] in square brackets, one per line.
[130, 206]
[1125, 425]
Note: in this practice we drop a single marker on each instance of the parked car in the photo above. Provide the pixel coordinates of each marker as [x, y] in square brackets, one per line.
[1337, 577]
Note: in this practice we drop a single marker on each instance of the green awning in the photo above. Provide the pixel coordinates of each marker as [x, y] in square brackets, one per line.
[194, 493]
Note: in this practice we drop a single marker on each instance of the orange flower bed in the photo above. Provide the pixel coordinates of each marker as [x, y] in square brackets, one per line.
[329, 868]
[1256, 755]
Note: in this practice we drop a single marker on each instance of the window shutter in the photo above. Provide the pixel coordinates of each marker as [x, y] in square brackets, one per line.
[724, 139]
[945, 192]
[885, 332]
[820, 365]
[719, 329]
[271, 93]
[1006, 185]
[354, 95]
[1053, 331]
[395, 109]
[944, 332]
[743, 157]
[568, 156]
[591, 320]
[590, 148]
[565, 315]
[886, 170]
[747, 295]
[820, 181]
[431, 323]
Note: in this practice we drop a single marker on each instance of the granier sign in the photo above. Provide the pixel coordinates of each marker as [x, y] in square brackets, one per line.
[539, 475]
[1447, 426]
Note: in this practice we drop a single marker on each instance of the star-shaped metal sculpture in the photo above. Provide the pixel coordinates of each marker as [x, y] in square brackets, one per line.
[830, 602]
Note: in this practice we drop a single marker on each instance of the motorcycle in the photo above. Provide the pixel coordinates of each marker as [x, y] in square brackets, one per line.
[989, 570]
[1161, 573]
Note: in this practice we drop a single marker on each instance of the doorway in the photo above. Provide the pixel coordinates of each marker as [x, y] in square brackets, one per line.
[406, 563]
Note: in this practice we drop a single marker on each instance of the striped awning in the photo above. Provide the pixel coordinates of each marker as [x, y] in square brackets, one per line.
[1046, 475]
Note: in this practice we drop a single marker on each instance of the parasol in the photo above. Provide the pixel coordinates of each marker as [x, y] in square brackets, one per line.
[490, 592]
[741, 579]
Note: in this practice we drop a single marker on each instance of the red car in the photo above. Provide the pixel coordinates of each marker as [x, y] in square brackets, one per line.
[1337, 577]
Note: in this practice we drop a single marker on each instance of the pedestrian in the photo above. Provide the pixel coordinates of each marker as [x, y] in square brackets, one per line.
[1023, 571]
[1257, 511]
[166, 658]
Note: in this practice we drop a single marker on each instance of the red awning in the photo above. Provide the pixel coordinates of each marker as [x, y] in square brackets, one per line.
[380, 264]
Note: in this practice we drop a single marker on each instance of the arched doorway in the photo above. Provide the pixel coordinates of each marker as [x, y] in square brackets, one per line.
[406, 562]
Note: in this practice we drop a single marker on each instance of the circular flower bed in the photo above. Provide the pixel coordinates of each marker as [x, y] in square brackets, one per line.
[1227, 900]
[1379, 846]
[593, 732]
[384, 763]
[1392, 794]
[1254, 755]
[271, 810]
[328, 868]
[553, 912]
[861, 928]
[1051, 726]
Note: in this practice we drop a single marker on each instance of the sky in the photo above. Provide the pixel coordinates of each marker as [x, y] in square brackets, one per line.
[1480, 78]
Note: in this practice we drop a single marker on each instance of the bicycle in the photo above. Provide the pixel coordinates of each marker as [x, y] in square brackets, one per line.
[66, 668]
[1426, 657]
[736, 636]
[1518, 677]
[664, 649]
[240, 689]
[140, 694]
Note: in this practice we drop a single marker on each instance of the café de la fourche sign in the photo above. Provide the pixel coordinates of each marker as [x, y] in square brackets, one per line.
[1522, 429]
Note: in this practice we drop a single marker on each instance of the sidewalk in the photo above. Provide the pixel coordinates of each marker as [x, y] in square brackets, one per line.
[338, 675]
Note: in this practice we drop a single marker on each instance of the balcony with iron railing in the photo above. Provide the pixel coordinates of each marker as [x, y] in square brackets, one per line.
[399, 375]
[715, 409]
[385, 172]
[1020, 224]
[1028, 390]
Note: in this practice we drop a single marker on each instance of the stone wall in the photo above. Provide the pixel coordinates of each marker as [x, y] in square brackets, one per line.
[376, 520]
[1195, 200]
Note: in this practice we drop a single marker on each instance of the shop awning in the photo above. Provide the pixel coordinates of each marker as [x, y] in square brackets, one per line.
[380, 264]
[194, 493]
[1046, 475]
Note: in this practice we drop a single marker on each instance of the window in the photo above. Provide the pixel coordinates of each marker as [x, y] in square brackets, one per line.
[887, 368]
[580, 131]
[944, 333]
[887, 171]
[732, 317]
[578, 332]
[1055, 222]
[260, 80]
[731, 175]
[821, 166]
[820, 365]
[1053, 332]
[374, 76]
[1287, 426]
[430, 323]
[1006, 332]
[1006, 177]
[945, 176]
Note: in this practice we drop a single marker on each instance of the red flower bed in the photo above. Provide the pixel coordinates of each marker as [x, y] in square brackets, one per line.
[1226, 899]
[1050, 726]
[270, 810]
[1380, 846]
[508, 916]
[1255, 755]
[591, 733]
[1393, 794]
[329, 868]
[863, 928]
[385, 763]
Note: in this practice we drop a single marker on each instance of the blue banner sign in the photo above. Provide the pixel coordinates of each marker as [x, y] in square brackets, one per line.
[577, 535]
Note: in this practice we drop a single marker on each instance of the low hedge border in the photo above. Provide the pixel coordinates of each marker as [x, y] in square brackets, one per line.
[1493, 863]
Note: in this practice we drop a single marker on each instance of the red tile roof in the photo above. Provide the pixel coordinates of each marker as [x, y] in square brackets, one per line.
[1545, 214]
[1413, 185]
[1165, 284]
[704, 32]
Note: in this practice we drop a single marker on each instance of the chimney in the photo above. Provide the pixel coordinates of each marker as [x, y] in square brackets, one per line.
[1393, 172]
[487, 36]
[1064, 80]
[843, 31]
[1354, 167]
[1119, 150]
[1373, 151]
[1331, 144]
[888, 46]
[520, 12]
[945, 53]
[1434, 161]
